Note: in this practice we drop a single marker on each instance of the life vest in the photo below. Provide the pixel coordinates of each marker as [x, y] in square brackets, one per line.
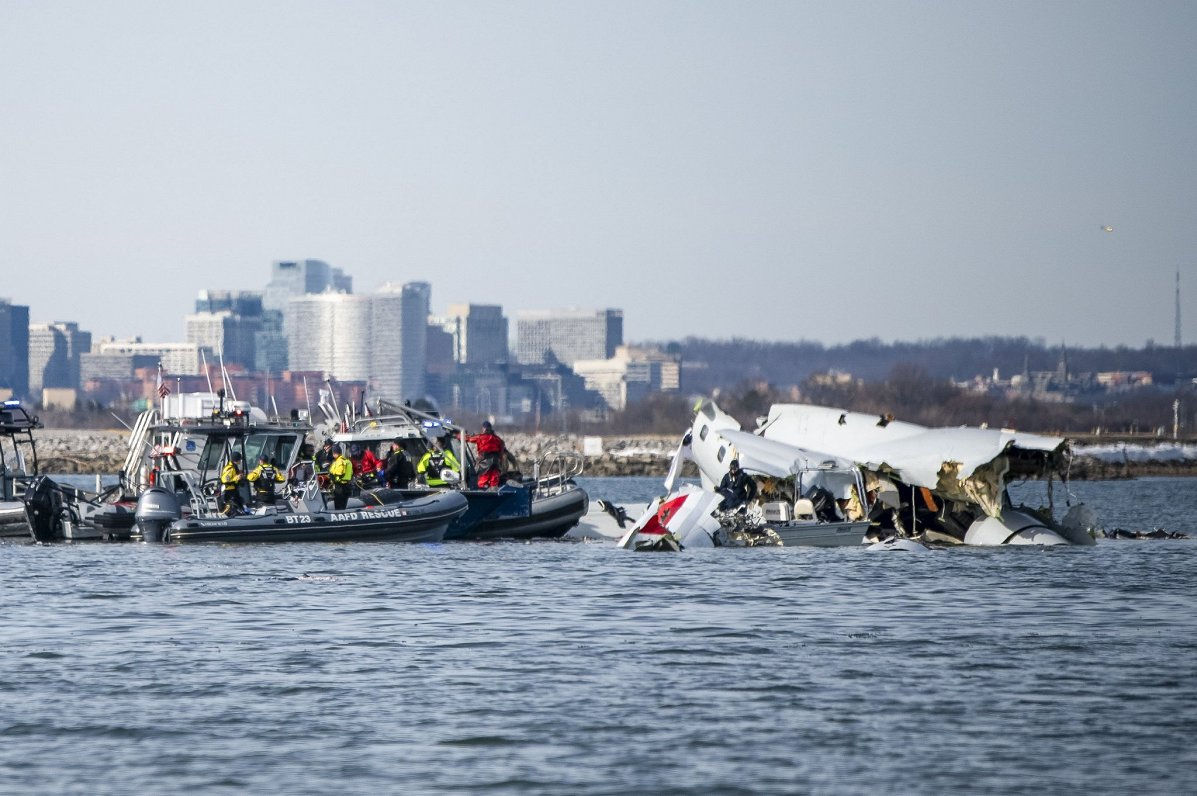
[341, 470]
[264, 478]
[229, 477]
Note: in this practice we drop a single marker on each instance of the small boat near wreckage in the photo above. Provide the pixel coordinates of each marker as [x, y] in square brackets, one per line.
[545, 503]
[169, 485]
[827, 477]
[18, 465]
[303, 516]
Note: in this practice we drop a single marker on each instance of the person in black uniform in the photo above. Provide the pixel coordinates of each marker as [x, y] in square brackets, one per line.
[264, 477]
[399, 472]
[324, 456]
[737, 487]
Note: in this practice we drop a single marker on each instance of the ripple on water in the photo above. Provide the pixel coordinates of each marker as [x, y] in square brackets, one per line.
[580, 668]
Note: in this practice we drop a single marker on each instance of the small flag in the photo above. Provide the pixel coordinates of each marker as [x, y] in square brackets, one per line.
[163, 387]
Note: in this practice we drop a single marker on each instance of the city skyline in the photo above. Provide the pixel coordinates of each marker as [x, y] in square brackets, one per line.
[1176, 301]
[777, 171]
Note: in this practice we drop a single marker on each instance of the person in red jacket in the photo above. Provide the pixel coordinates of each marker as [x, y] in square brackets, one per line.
[369, 465]
[490, 456]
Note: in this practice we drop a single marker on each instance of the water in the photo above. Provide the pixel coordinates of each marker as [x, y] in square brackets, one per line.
[558, 667]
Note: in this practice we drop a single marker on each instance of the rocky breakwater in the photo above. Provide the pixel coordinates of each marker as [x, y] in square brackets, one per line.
[632, 455]
[81, 450]
[103, 451]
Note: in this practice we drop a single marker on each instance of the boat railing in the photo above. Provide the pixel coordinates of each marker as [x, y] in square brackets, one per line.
[188, 481]
[554, 469]
[303, 487]
[133, 476]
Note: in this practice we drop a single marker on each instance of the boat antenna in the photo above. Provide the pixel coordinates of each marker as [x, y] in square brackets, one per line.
[307, 397]
[207, 374]
[270, 391]
[336, 399]
[119, 420]
[224, 375]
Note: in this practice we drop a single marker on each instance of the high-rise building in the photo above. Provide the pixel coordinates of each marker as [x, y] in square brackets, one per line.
[479, 333]
[228, 323]
[379, 338]
[54, 351]
[270, 344]
[224, 334]
[568, 335]
[14, 349]
[309, 324]
[292, 278]
[246, 303]
[417, 300]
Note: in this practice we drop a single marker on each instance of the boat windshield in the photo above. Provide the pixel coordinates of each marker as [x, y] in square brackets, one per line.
[276, 447]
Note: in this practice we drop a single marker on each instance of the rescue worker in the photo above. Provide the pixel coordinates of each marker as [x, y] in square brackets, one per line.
[263, 478]
[398, 473]
[435, 461]
[370, 465]
[847, 504]
[737, 487]
[490, 456]
[231, 476]
[324, 457]
[341, 473]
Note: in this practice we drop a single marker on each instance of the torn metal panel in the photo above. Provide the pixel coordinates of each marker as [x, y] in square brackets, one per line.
[965, 464]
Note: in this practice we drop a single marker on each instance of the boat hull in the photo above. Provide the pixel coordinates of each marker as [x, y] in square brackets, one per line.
[13, 521]
[820, 534]
[549, 516]
[421, 520]
[516, 512]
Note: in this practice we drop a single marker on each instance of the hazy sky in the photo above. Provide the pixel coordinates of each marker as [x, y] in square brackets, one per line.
[785, 170]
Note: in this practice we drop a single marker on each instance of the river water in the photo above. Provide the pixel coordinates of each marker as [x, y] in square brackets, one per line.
[571, 667]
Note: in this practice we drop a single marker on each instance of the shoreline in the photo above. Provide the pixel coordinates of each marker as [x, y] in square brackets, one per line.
[88, 452]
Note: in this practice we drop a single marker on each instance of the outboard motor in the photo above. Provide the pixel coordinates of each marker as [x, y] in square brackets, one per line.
[43, 508]
[157, 508]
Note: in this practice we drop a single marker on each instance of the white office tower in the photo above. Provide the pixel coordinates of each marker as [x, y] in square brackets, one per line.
[378, 338]
[309, 323]
[569, 335]
[351, 343]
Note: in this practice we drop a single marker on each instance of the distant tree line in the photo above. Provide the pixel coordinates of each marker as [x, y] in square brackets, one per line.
[911, 393]
[712, 364]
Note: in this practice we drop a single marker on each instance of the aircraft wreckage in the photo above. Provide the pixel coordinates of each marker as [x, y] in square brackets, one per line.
[828, 477]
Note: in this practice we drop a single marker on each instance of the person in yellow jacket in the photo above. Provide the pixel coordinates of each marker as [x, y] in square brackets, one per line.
[264, 477]
[341, 473]
[434, 462]
[231, 476]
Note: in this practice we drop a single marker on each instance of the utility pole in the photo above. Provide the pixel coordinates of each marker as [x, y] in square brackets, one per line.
[1177, 339]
